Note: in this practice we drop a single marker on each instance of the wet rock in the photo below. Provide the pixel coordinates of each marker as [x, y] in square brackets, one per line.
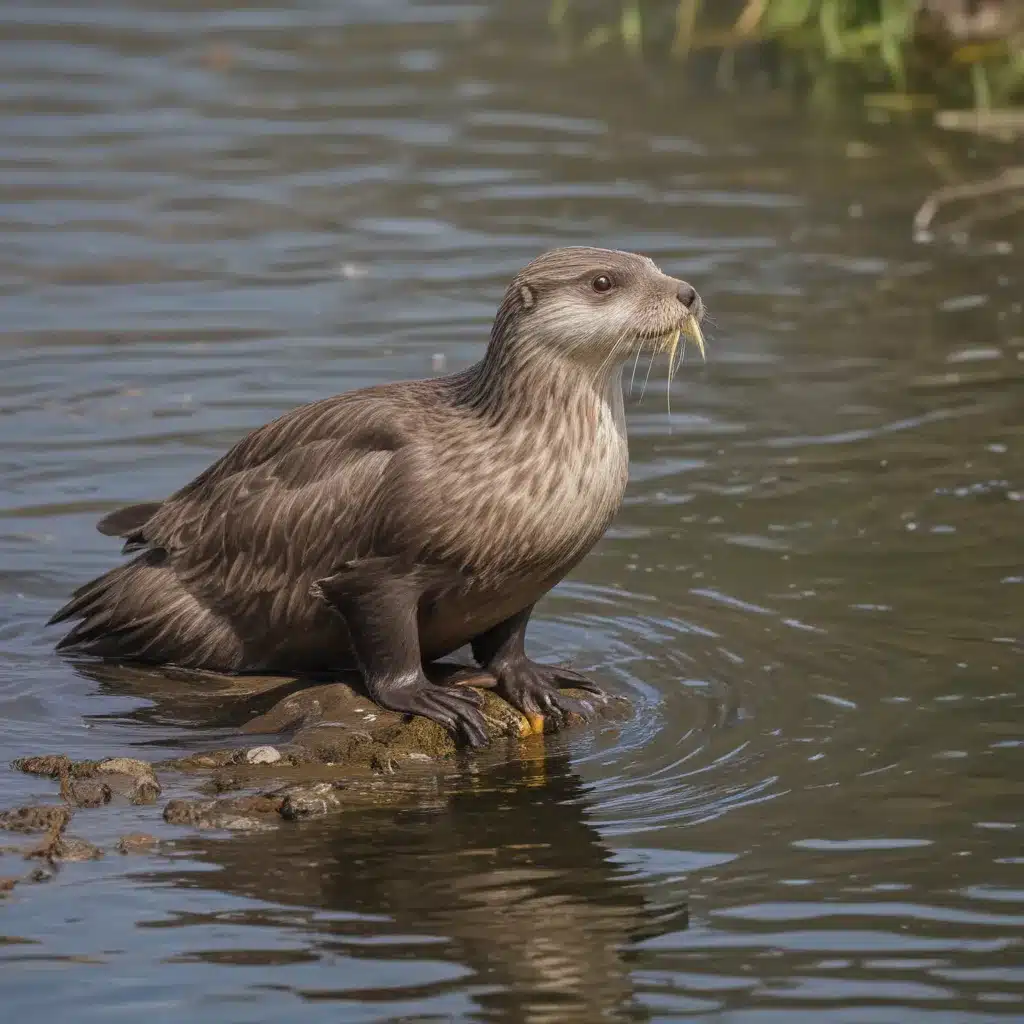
[70, 849]
[263, 755]
[337, 703]
[55, 766]
[7, 884]
[333, 732]
[88, 793]
[224, 782]
[53, 820]
[206, 761]
[245, 812]
[314, 801]
[131, 778]
[128, 777]
[136, 842]
[232, 757]
[35, 818]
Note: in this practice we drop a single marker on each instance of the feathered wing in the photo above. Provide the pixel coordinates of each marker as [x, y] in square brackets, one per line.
[224, 580]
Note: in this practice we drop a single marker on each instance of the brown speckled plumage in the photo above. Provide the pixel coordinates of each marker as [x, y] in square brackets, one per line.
[485, 487]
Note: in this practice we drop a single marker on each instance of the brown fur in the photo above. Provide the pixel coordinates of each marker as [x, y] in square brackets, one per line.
[497, 479]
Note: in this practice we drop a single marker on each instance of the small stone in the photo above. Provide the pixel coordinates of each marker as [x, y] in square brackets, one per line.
[263, 755]
[136, 842]
[314, 801]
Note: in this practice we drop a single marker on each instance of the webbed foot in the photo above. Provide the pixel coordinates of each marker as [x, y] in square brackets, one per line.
[455, 708]
[535, 690]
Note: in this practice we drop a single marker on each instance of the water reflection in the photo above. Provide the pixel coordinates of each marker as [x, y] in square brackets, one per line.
[501, 873]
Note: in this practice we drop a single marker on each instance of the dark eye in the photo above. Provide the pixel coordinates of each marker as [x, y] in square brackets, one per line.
[602, 283]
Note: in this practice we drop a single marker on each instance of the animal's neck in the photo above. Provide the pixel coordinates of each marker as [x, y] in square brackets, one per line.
[549, 466]
[539, 390]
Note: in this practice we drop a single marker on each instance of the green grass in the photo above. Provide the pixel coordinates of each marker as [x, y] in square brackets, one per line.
[897, 56]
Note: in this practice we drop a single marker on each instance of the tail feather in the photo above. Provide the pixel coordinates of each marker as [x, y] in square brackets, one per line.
[123, 522]
[140, 611]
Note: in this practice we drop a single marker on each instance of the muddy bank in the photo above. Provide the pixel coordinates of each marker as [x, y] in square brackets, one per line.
[317, 751]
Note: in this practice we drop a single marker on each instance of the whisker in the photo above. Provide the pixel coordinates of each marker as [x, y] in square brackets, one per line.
[673, 345]
[632, 376]
[650, 366]
[609, 357]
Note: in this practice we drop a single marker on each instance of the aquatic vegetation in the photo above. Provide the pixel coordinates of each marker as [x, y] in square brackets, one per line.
[901, 53]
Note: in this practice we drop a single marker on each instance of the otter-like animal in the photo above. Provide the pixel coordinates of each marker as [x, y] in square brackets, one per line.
[384, 528]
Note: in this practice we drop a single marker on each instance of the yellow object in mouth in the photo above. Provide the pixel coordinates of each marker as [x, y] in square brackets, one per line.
[689, 329]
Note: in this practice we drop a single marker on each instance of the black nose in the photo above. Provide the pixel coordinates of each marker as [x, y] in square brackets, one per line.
[687, 294]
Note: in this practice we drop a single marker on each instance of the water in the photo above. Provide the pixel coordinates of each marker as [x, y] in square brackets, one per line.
[814, 593]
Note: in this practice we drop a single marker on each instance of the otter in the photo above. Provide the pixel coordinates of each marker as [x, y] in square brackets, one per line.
[383, 528]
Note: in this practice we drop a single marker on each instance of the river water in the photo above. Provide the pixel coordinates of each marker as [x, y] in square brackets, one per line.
[814, 593]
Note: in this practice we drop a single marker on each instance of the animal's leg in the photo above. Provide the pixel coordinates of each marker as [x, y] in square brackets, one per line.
[378, 600]
[529, 687]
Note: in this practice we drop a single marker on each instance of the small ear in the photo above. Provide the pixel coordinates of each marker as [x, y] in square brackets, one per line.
[527, 296]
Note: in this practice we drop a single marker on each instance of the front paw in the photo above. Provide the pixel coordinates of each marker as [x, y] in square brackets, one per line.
[535, 690]
[456, 708]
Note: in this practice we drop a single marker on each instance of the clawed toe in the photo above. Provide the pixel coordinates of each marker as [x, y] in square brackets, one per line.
[565, 705]
[534, 690]
[569, 677]
[459, 712]
[456, 709]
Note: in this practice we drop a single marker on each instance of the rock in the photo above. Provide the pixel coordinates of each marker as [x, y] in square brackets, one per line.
[204, 761]
[7, 884]
[333, 731]
[245, 812]
[128, 777]
[54, 766]
[136, 842]
[311, 801]
[88, 793]
[36, 818]
[131, 778]
[70, 849]
[330, 702]
[263, 755]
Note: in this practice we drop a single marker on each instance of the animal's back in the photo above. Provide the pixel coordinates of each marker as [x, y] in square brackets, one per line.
[223, 580]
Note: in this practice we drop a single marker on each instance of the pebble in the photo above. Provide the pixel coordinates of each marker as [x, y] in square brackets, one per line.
[263, 755]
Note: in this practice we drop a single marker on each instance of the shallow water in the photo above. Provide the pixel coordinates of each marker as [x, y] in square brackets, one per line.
[814, 592]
